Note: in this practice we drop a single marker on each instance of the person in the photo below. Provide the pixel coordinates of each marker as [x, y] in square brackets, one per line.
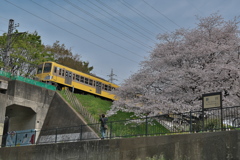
[103, 119]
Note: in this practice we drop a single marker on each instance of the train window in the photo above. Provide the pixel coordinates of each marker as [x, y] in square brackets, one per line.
[63, 72]
[55, 69]
[39, 70]
[86, 80]
[94, 83]
[113, 88]
[82, 79]
[73, 76]
[47, 67]
[70, 74]
[77, 77]
[102, 86]
[106, 87]
[109, 88]
[60, 72]
[66, 74]
[90, 82]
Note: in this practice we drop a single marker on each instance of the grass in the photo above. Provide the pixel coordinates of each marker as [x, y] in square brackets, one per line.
[117, 123]
[96, 106]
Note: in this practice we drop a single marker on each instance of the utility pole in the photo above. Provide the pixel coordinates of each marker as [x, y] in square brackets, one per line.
[111, 77]
[11, 27]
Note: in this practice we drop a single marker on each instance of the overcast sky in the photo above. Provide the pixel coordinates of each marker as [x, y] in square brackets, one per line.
[109, 34]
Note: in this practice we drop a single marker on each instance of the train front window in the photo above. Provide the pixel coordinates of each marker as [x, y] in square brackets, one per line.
[39, 70]
[47, 67]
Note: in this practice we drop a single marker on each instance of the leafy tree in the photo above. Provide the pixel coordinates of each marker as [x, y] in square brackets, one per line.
[184, 65]
[26, 52]
[64, 56]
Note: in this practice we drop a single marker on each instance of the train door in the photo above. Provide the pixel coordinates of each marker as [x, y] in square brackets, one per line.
[68, 77]
[98, 87]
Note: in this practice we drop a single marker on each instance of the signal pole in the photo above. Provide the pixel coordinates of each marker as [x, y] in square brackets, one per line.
[111, 76]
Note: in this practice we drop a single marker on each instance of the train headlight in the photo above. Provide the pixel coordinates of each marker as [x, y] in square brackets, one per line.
[48, 77]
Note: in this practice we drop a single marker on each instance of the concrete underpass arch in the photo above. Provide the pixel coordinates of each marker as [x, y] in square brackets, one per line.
[20, 117]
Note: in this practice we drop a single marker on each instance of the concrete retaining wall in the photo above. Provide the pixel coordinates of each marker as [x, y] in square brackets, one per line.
[61, 115]
[199, 146]
[26, 106]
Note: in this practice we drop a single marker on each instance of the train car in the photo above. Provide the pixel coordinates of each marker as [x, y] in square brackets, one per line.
[62, 76]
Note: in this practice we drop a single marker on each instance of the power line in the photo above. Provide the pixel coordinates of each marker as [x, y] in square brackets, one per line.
[116, 18]
[161, 13]
[110, 26]
[51, 24]
[195, 7]
[86, 29]
[93, 24]
[143, 15]
[70, 32]
[4, 18]
[126, 18]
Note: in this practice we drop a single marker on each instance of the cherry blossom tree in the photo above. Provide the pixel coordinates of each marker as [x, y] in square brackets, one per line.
[184, 65]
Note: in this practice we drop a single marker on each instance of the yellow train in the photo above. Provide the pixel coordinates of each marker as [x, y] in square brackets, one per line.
[62, 76]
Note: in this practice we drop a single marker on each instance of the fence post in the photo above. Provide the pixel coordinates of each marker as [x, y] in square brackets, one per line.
[110, 128]
[16, 140]
[35, 132]
[81, 132]
[221, 119]
[56, 136]
[190, 121]
[146, 125]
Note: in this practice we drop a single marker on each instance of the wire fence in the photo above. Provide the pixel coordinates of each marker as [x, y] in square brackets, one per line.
[190, 122]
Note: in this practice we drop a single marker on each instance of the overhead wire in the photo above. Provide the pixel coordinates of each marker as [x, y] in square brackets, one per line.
[103, 22]
[94, 24]
[87, 30]
[116, 18]
[147, 18]
[61, 28]
[126, 18]
[70, 32]
[2, 31]
[195, 7]
[39, 18]
[161, 13]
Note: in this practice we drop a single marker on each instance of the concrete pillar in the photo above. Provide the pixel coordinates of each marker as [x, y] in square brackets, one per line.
[3, 102]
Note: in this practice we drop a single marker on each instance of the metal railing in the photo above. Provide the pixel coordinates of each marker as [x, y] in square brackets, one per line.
[189, 122]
